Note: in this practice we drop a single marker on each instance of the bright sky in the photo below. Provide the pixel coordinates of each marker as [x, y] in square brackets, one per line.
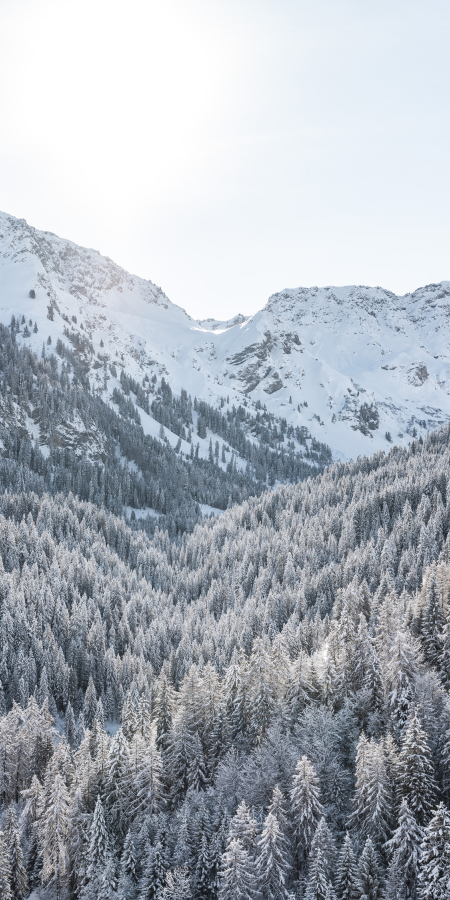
[227, 149]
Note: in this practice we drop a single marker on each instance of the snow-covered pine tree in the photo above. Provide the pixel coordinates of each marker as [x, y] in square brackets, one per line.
[154, 875]
[244, 828]
[372, 802]
[403, 850]
[109, 880]
[400, 675]
[178, 886]
[70, 727]
[98, 843]
[5, 870]
[118, 780]
[272, 866]
[90, 704]
[128, 880]
[323, 840]
[202, 872]
[347, 872]
[433, 621]
[19, 881]
[415, 772]
[306, 807]
[369, 880]
[53, 829]
[434, 865]
[237, 881]
[318, 886]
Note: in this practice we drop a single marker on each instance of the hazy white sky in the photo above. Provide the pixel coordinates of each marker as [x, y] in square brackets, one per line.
[229, 148]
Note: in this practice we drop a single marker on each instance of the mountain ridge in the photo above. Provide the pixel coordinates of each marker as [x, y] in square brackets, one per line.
[357, 366]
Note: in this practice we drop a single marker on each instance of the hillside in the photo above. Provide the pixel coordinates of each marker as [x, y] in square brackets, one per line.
[281, 676]
[348, 364]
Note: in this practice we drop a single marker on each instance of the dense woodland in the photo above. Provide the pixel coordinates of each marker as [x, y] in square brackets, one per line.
[100, 452]
[258, 709]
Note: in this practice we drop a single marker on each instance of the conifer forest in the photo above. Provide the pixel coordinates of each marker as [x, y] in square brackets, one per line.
[252, 705]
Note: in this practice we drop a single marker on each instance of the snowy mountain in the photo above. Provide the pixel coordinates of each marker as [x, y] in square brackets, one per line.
[350, 364]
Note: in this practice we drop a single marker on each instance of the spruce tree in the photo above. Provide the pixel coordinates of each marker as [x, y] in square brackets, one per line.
[347, 872]
[154, 876]
[369, 880]
[272, 865]
[244, 828]
[5, 871]
[53, 834]
[434, 866]
[306, 807]
[323, 840]
[98, 844]
[237, 881]
[19, 881]
[318, 886]
[433, 622]
[415, 772]
[403, 850]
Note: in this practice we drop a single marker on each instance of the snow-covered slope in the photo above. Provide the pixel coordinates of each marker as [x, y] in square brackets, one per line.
[356, 362]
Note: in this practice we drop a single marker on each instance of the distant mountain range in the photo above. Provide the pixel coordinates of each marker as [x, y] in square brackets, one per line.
[356, 366]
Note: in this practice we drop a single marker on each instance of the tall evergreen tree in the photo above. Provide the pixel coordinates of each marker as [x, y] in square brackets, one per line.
[415, 772]
[369, 873]
[154, 875]
[318, 886]
[347, 872]
[237, 880]
[272, 864]
[306, 807]
[434, 868]
[5, 871]
[19, 881]
[404, 849]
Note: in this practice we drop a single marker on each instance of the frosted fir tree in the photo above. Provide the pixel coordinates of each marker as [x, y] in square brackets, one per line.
[318, 886]
[18, 877]
[323, 840]
[164, 711]
[147, 779]
[434, 866]
[415, 772]
[347, 872]
[277, 807]
[5, 871]
[237, 880]
[372, 801]
[53, 829]
[433, 622]
[118, 777]
[369, 880]
[90, 704]
[400, 675]
[306, 807]
[178, 886]
[98, 843]
[272, 866]
[154, 875]
[70, 727]
[109, 880]
[128, 881]
[202, 872]
[243, 827]
[445, 750]
[445, 656]
[197, 775]
[404, 852]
